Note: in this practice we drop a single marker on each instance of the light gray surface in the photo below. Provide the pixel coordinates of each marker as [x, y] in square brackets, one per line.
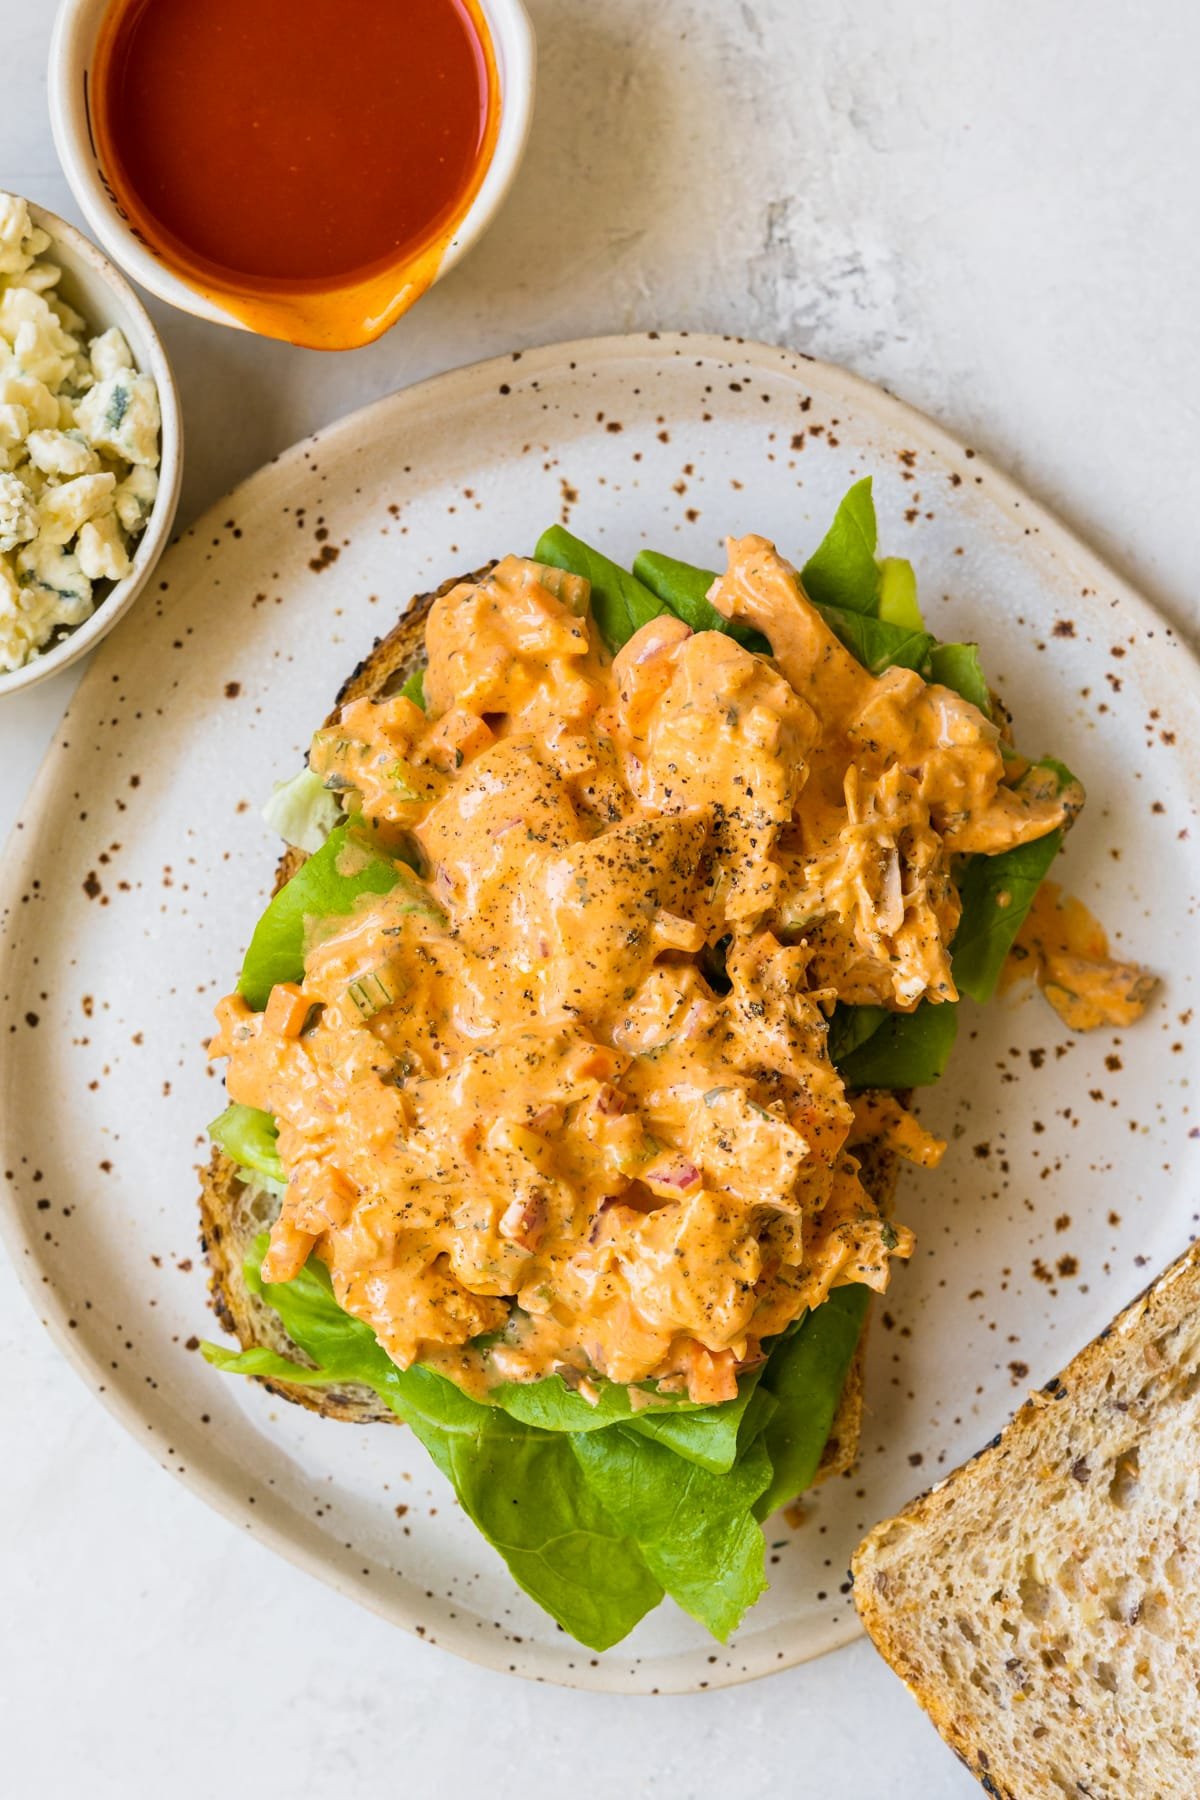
[990, 209]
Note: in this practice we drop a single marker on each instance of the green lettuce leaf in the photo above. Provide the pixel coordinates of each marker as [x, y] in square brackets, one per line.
[523, 1488]
[842, 570]
[533, 1499]
[302, 811]
[898, 603]
[851, 1026]
[250, 1137]
[958, 666]
[553, 1406]
[906, 1050]
[594, 1524]
[711, 1436]
[707, 1435]
[696, 1531]
[683, 590]
[414, 688]
[620, 604]
[805, 1378]
[326, 886]
[263, 1362]
[997, 892]
[876, 644]
[996, 901]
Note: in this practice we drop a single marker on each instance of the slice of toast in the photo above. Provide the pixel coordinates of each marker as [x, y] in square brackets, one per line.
[1043, 1603]
[233, 1211]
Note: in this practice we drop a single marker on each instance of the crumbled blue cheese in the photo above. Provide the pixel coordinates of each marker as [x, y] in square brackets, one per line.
[52, 569]
[101, 549]
[63, 453]
[110, 353]
[65, 507]
[135, 497]
[79, 449]
[18, 513]
[120, 416]
[21, 243]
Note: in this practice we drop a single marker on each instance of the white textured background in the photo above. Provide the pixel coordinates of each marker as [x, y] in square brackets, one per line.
[990, 206]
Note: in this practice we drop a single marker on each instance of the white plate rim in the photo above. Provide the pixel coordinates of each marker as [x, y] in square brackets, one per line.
[840, 384]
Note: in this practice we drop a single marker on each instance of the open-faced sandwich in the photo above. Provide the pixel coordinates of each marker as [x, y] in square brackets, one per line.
[568, 1064]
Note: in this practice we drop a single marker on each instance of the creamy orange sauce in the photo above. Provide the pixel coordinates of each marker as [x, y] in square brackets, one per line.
[1064, 948]
[557, 1128]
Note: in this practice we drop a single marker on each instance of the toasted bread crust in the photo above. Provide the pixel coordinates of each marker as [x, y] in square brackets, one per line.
[232, 1214]
[879, 1171]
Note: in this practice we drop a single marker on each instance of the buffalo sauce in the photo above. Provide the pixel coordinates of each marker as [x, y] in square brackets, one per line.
[302, 163]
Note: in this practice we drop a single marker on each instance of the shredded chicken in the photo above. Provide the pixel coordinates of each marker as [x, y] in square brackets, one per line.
[519, 1099]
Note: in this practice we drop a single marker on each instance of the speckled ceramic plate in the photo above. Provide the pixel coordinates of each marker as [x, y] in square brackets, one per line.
[130, 885]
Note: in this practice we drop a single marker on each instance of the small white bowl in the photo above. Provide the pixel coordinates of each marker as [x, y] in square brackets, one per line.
[101, 294]
[72, 52]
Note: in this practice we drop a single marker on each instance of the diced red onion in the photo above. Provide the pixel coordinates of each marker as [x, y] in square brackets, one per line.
[681, 1175]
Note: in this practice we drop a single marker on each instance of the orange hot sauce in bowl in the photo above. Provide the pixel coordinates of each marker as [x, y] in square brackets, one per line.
[302, 163]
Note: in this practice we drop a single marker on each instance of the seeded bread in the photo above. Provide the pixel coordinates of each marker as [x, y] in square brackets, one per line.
[1043, 1603]
[234, 1211]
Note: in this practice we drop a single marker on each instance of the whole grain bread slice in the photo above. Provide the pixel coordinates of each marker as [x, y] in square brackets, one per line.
[1043, 1603]
[233, 1211]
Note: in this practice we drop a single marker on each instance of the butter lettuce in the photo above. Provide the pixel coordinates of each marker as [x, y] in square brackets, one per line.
[620, 603]
[269, 1365]
[958, 666]
[897, 602]
[997, 893]
[804, 1378]
[871, 1046]
[705, 1435]
[877, 644]
[250, 1137]
[710, 1436]
[597, 1524]
[327, 885]
[522, 1487]
[906, 1050]
[683, 590]
[850, 1026]
[302, 811]
[695, 1531]
[842, 570]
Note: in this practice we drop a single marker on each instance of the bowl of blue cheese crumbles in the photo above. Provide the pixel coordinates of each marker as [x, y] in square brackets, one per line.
[89, 444]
